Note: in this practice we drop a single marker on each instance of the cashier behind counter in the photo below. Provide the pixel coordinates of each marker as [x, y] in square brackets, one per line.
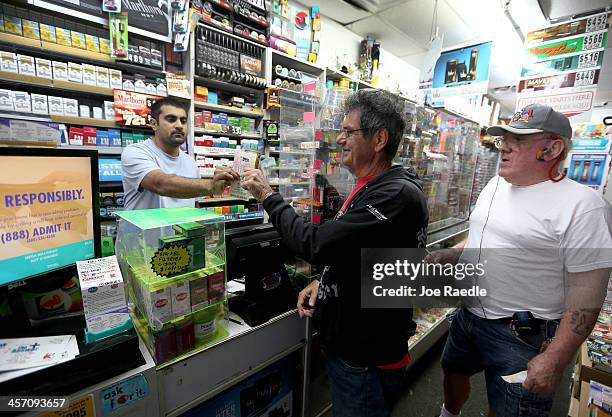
[157, 173]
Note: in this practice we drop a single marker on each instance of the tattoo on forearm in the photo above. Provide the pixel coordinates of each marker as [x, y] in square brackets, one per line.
[582, 320]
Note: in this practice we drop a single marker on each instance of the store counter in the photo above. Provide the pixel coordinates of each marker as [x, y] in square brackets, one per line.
[197, 378]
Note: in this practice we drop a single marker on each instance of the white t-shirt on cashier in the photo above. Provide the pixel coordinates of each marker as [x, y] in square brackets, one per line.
[138, 160]
[529, 237]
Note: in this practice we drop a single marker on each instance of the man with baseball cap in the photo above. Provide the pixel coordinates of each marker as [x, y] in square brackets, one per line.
[546, 245]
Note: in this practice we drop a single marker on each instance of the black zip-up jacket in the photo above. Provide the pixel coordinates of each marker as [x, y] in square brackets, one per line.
[388, 212]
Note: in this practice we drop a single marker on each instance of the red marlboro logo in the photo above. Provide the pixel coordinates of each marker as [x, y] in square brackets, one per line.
[560, 49]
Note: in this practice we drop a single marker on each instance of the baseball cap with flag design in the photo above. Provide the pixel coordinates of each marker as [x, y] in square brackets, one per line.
[535, 118]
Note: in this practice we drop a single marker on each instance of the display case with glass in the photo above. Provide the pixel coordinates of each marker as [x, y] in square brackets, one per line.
[296, 160]
[174, 261]
[333, 182]
[443, 149]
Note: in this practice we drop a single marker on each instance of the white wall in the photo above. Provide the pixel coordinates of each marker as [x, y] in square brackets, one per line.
[338, 41]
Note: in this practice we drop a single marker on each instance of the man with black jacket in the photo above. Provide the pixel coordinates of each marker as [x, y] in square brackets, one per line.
[366, 350]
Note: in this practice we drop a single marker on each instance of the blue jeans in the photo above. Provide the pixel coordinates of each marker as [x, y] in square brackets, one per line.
[475, 344]
[362, 391]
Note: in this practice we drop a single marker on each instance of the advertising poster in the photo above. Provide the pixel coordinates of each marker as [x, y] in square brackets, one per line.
[109, 169]
[462, 71]
[589, 169]
[133, 109]
[569, 101]
[564, 30]
[46, 215]
[149, 18]
[302, 31]
[268, 393]
[568, 46]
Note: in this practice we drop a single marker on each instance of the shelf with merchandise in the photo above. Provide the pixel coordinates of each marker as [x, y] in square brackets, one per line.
[227, 109]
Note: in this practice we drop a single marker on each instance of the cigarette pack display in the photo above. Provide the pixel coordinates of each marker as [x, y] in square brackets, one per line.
[30, 29]
[8, 62]
[165, 344]
[181, 301]
[60, 71]
[102, 138]
[98, 113]
[145, 53]
[13, 25]
[48, 33]
[161, 89]
[102, 77]
[89, 74]
[185, 336]
[43, 68]
[75, 136]
[77, 40]
[63, 36]
[56, 105]
[127, 139]
[156, 58]
[105, 46]
[114, 137]
[159, 304]
[140, 86]
[6, 100]
[39, 104]
[89, 136]
[22, 101]
[75, 73]
[128, 84]
[71, 107]
[27, 65]
[151, 88]
[159, 256]
[92, 43]
[216, 287]
[84, 111]
[109, 110]
[198, 289]
[115, 79]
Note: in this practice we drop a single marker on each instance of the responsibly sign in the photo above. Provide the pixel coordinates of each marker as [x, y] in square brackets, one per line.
[46, 215]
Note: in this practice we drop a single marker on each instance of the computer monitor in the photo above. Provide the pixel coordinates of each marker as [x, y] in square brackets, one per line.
[257, 255]
[49, 210]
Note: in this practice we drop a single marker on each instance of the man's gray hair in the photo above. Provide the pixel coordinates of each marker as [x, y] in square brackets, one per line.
[379, 109]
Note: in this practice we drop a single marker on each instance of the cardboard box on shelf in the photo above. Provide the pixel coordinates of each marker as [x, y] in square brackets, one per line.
[30, 29]
[102, 77]
[75, 136]
[22, 101]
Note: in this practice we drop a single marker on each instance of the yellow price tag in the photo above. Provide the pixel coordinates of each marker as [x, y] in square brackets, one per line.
[83, 407]
[170, 260]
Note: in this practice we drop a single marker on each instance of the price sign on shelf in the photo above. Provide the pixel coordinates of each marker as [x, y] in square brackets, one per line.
[594, 41]
[597, 22]
[234, 130]
[588, 60]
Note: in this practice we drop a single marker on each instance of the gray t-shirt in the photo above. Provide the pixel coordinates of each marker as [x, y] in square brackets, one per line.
[138, 160]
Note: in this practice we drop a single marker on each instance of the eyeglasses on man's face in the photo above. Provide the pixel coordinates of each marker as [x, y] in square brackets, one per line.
[515, 141]
[347, 133]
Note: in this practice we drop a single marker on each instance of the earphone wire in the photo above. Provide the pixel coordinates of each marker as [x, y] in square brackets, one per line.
[482, 238]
